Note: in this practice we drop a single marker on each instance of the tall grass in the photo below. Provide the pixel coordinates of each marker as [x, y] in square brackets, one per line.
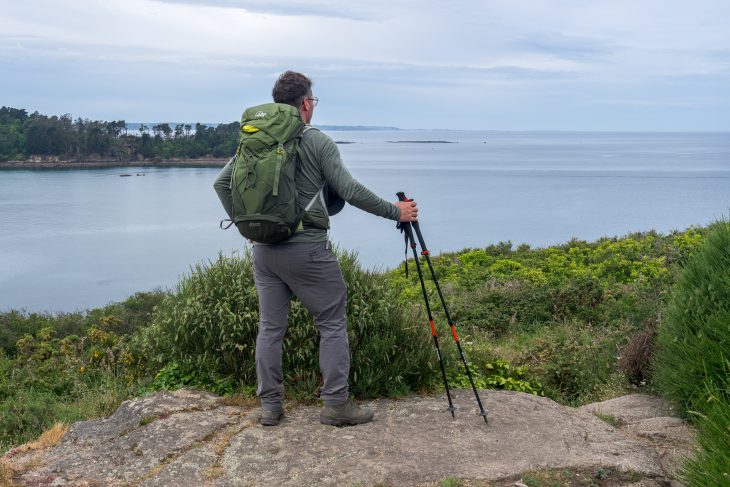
[694, 337]
[711, 463]
[692, 364]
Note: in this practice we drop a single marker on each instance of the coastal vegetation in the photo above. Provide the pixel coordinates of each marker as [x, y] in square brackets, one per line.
[577, 322]
[26, 136]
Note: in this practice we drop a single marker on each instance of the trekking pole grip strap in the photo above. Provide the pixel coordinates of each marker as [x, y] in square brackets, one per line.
[414, 224]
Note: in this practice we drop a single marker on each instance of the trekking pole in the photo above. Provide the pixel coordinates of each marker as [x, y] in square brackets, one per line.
[426, 254]
[406, 227]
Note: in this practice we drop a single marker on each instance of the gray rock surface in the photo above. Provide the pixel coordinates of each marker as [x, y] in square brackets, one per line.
[192, 438]
[650, 420]
[635, 407]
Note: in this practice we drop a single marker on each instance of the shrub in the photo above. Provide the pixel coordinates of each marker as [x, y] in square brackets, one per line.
[579, 297]
[208, 329]
[635, 361]
[121, 318]
[693, 340]
[501, 306]
[504, 291]
[571, 361]
[14, 325]
[494, 375]
[124, 317]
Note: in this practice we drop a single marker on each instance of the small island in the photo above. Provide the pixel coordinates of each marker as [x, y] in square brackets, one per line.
[421, 142]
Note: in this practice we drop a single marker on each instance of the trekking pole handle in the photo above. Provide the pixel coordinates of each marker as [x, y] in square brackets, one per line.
[402, 197]
[406, 226]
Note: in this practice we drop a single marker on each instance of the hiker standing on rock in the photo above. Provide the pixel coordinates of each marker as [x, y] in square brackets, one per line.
[275, 191]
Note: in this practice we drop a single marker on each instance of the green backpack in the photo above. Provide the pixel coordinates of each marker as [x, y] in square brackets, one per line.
[262, 182]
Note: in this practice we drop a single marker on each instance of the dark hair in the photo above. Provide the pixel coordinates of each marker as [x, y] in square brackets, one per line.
[291, 88]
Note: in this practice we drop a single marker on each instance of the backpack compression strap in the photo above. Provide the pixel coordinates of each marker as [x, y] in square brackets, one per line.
[319, 194]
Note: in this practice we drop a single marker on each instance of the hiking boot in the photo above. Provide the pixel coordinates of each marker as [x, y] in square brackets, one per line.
[271, 418]
[344, 414]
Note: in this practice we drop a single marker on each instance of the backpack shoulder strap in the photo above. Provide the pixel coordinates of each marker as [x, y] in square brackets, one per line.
[320, 193]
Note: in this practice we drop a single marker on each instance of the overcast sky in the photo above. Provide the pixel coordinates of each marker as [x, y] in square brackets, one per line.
[493, 64]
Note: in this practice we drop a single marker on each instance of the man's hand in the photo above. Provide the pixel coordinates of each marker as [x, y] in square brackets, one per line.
[408, 210]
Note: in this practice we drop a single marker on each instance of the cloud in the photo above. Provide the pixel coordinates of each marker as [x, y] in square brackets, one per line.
[153, 54]
[313, 8]
[578, 37]
[577, 48]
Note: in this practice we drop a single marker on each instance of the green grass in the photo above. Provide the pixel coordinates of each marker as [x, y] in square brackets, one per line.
[596, 477]
[608, 419]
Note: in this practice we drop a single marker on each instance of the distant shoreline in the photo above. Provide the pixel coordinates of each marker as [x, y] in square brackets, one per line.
[101, 163]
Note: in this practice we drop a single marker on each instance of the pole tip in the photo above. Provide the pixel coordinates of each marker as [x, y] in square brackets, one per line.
[451, 409]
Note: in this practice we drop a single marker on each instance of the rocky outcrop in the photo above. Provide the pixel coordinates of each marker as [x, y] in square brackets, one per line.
[192, 438]
[651, 421]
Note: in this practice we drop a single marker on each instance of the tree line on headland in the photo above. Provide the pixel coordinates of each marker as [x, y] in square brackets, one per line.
[40, 137]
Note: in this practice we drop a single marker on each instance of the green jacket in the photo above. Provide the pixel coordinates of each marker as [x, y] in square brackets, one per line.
[320, 164]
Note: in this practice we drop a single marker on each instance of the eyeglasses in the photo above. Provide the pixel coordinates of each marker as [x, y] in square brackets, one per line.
[313, 99]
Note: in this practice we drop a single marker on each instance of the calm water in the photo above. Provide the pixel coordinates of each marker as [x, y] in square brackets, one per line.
[74, 239]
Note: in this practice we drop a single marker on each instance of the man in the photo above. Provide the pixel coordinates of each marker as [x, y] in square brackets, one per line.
[305, 266]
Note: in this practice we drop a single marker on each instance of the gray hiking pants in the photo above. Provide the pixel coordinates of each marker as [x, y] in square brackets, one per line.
[311, 273]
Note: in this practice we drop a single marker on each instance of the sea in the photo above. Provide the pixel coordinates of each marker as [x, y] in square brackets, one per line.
[74, 239]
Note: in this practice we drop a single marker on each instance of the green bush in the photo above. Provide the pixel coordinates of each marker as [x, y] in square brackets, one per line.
[125, 317]
[208, 330]
[121, 318]
[572, 361]
[500, 306]
[565, 311]
[693, 341]
[14, 325]
[504, 291]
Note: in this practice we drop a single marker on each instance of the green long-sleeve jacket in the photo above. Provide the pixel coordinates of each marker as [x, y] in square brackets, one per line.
[320, 164]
